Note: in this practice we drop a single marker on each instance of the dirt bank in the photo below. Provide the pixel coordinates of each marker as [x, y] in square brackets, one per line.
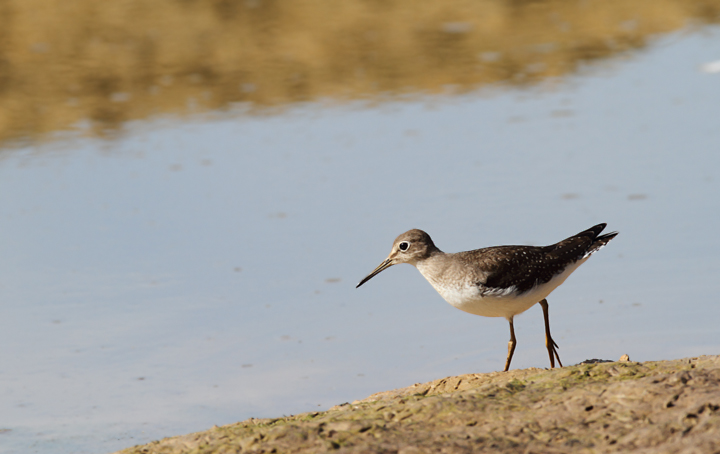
[665, 406]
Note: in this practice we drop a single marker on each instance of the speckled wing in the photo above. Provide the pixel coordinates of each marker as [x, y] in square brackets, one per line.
[525, 267]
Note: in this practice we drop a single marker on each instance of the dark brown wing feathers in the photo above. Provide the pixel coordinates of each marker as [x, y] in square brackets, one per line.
[527, 266]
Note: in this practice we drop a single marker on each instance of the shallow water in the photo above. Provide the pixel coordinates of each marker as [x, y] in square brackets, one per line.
[187, 271]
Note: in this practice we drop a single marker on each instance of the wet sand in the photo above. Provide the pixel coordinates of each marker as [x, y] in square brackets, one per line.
[663, 406]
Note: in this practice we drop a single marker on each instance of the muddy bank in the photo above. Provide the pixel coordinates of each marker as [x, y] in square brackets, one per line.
[664, 406]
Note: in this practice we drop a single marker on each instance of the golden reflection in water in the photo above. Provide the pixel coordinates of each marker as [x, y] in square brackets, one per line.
[63, 62]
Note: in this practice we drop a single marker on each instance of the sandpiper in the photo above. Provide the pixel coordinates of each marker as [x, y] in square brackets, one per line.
[500, 281]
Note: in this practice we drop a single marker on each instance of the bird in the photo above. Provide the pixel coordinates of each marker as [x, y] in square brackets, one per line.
[498, 281]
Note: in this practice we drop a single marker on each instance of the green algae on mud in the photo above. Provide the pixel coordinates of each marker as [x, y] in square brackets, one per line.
[663, 406]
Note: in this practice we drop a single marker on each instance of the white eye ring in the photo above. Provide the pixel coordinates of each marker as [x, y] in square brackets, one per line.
[404, 246]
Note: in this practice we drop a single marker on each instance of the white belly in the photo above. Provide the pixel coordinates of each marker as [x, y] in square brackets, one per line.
[507, 303]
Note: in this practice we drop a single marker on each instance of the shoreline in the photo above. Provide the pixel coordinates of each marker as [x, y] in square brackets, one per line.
[668, 406]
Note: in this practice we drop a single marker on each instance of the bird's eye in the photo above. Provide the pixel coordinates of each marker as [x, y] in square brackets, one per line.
[404, 246]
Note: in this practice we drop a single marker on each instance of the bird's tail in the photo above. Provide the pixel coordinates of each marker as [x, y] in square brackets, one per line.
[599, 240]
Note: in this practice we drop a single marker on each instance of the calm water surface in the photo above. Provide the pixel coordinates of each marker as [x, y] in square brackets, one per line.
[183, 272]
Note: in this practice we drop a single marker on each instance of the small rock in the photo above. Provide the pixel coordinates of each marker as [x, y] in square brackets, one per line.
[624, 359]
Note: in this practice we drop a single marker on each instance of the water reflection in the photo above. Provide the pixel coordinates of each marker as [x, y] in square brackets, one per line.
[85, 63]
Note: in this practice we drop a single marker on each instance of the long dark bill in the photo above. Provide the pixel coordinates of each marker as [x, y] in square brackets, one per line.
[386, 264]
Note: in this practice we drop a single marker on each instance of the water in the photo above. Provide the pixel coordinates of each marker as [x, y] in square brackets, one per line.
[200, 270]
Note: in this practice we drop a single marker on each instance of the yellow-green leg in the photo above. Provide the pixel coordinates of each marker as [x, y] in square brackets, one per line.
[511, 345]
[549, 342]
